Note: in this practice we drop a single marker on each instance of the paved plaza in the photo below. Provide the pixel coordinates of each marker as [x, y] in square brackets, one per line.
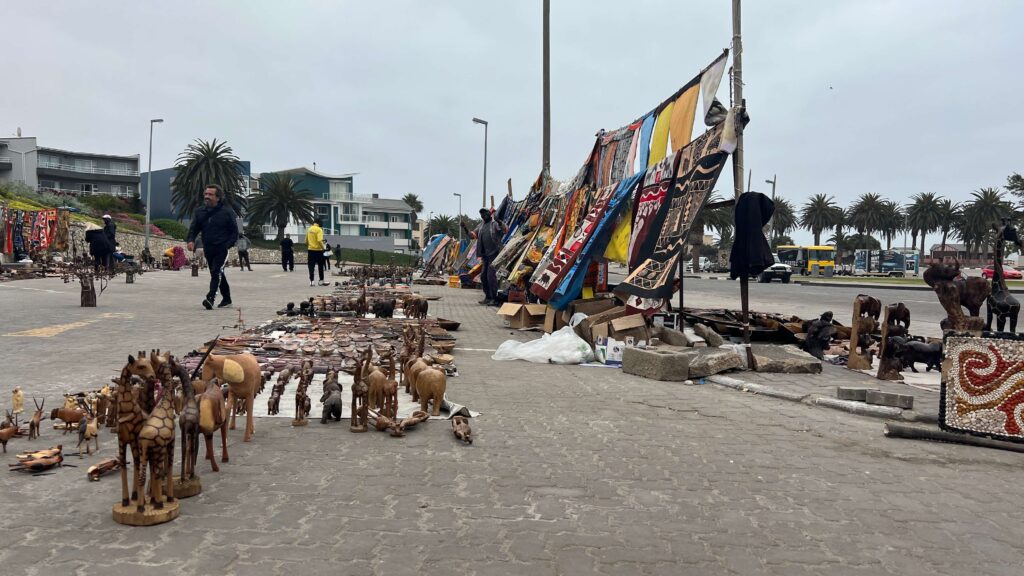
[573, 470]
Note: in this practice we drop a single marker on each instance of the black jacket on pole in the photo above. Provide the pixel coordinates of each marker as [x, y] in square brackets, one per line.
[751, 253]
[217, 225]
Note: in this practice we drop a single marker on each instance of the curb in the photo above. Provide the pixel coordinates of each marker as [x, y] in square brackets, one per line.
[879, 285]
[849, 406]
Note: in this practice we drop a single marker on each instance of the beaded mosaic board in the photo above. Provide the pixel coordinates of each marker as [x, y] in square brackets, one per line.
[983, 385]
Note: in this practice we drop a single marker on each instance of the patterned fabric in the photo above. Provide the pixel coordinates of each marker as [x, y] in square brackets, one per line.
[647, 210]
[983, 389]
[699, 165]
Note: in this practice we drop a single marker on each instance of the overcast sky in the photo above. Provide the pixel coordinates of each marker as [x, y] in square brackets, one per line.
[845, 97]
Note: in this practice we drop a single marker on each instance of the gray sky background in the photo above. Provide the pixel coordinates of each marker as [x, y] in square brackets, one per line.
[845, 97]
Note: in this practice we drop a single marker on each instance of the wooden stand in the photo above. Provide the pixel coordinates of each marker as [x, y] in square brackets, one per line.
[888, 364]
[297, 422]
[129, 515]
[129, 277]
[187, 488]
[88, 293]
[860, 326]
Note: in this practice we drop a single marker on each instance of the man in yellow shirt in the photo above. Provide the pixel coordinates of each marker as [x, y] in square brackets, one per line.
[315, 250]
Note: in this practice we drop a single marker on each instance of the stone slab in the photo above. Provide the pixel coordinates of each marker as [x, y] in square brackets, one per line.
[709, 335]
[855, 393]
[879, 398]
[657, 364]
[710, 361]
[786, 359]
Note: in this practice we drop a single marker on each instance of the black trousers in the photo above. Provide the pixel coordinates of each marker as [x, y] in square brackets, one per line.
[217, 259]
[315, 259]
[288, 261]
[488, 278]
[243, 260]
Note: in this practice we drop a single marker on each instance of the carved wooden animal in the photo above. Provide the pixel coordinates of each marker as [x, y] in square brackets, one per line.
[7, 433]
[331, 398]
[68, 416]
[37, 418]
[928, 354]
[384, 308]
[242, 374]
[213, 416]
[17, 401]
[819, 334]
[88, 429]
[955, 292]
[101, 468]
[415, 365]
[1000, 303]
[375, 380]
[389, 404]
[869, 306]
[430, 387]
[461, 429]
[130, 418]
[899, 315]
[156, 447]
[188, 423]
[360, 391]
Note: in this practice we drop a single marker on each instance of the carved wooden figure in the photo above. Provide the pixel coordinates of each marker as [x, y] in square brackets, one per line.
[819, 334]
[130, 418]
[389, 405]
[890, 362]
[1000, 303]
[461, 429]
[430, 387]
[156, 447]
[956, 292]
[862, 326]
[213, 416]
[331, 398]
[187, 407]
[242, 374]
[37, 418]
[360, 391]
[17, 401]
[88, 429]
[68, 416]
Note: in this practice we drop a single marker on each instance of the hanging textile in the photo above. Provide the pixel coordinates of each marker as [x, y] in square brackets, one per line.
[680, 126]
[659, 140]
[710, 80]
[699, 165]
[650, 210]
[618, 245]
[751, 253]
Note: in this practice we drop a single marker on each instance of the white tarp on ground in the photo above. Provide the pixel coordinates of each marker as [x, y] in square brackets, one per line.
[560, 347]
[287, 405]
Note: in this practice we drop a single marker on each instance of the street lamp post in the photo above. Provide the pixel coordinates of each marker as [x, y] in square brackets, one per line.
[484, 122]
[460, 218]
[771, 221]
[149, 177]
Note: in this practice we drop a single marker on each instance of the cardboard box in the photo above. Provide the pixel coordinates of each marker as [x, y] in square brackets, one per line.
[590, 306]
[553, 320]
[522, 315]
[585, 329]
[632, 325]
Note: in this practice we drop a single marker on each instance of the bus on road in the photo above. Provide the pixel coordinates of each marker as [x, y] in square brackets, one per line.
[803, 258]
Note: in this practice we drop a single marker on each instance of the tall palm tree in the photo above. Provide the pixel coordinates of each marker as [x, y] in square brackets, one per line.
[413, 201]
[985, 209]
[718, 219]
[784, 218]
[893, 221]
[203, 163]
[946, 212]
[281, 198]
[818, 215]
[866, 214]
[923, 216]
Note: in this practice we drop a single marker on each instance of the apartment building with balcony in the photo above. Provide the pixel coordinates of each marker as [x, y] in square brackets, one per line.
[163, 180]
[67, 172]
[346, 214]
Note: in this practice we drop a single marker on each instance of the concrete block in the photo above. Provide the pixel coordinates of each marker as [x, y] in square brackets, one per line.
[784, 359]
[878, 398]
[657, 364]
[855, 393]
[709, 361]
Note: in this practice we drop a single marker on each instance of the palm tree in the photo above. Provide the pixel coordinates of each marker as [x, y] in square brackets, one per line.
[866, 214]
[280, 198]
[718, 219]
[818, 215]
[203, 163]
[946, 212]
[985, 209]
[923, 216]
[893, 221]
[841, 241]
[413, 201]
[784, 218]
[444, 224]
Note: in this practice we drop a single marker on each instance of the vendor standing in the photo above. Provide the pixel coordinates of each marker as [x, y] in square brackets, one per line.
[216, 223]
[288, 254]
[243, 252]
[488, 236]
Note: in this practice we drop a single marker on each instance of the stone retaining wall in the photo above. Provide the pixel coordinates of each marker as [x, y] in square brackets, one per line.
[133, 243]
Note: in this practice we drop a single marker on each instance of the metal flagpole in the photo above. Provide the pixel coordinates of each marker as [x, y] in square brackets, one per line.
[547, 89]
[737, 161]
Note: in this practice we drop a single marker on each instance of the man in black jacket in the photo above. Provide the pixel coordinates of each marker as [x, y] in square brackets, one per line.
[217, 224]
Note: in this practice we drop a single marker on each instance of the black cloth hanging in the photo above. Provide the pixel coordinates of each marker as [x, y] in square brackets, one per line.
[751, 253]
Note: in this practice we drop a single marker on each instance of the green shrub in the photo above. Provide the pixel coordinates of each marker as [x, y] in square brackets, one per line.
[172, 228]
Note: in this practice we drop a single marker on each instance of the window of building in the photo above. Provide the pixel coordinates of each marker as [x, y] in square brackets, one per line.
[85, 164]
[48, 184]
[376, 233]
[46, 159]
[397, 218]
[119, 167]
[130, 190]
[117, 190]
[87, 188]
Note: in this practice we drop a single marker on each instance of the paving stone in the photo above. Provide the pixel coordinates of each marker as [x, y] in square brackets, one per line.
[709, 361]
[786, 359]
[904, 401]
[855, 393]
[709, 335]
[657, 364]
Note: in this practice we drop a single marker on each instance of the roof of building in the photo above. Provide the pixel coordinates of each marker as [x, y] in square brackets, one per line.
[306, 170]
[86, 154]
[948, 248]
[387, 204]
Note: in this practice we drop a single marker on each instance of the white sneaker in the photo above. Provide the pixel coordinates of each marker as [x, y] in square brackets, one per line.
[311, 283]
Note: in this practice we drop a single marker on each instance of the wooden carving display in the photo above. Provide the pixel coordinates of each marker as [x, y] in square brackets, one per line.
[375, 379]
[302, 403]
[389, 406]
[956, 292]
[156, 447]
[431, 384]
[213, 416]
[70, 416]
[866, 310]
[17, 401]
[187, 483]
[461, 429]
[360, 392]
[819, 334]
[37, 418]
[331, 398]
[130, 417]
[88, 429]
[242, 374]
[897, 322]
[1000, 303]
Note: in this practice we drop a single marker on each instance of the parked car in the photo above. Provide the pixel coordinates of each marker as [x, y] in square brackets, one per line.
[1009, 273]
[778, 271]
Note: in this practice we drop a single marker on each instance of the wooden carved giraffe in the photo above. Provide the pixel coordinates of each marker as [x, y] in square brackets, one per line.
[130, 417]
[156, 444]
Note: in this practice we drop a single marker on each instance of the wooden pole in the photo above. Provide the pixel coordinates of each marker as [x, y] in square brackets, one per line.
[547, 88]
[737, 162]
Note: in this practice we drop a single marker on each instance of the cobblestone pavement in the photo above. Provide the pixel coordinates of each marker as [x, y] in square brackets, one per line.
[573, 471]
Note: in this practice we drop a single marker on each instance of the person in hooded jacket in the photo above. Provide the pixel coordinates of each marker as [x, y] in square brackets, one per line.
[216, 222]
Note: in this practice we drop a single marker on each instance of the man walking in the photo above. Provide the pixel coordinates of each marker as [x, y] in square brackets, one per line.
[243, 253]
[315, 250]
[216, 223]
[287, 256]
[488, 236]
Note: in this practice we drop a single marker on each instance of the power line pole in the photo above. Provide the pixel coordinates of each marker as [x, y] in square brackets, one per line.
[737, 160]
[547, 87]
